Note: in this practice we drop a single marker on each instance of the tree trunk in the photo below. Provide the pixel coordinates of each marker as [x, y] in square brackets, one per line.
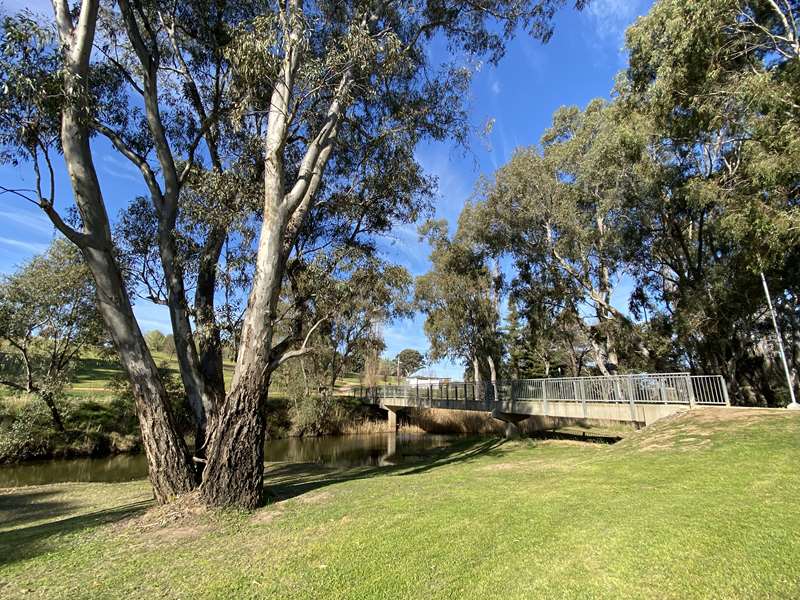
[168, 459]
[169, 463]
[209, 345]
[58, 422]
[234, 471]
[493, 375]
[200, 400]
[476, 371]
[235, 465]
[599, 357]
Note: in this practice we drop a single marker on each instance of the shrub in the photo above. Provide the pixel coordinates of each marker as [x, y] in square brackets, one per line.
[27, 432]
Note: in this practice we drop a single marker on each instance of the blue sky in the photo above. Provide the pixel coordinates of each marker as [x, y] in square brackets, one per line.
[519, 95]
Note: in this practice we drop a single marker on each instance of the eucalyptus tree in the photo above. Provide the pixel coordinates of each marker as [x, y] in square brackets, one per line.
[459, 297]
[556, 211]
[308, 87]
[48, 316]
[722, 202]
[409, 361]
[349, 302]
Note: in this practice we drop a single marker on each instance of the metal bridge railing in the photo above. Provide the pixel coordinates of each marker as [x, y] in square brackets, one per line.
[645, 388]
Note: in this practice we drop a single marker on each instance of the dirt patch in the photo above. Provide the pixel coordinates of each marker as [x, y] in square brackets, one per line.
[179, 533]
[315, 498]
[182, 519]
[267, 515]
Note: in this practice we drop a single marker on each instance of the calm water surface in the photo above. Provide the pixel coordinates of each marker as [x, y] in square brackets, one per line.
[340, 451]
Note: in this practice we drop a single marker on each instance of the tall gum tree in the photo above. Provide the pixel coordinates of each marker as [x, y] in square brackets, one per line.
[310, 82]
[170, 469]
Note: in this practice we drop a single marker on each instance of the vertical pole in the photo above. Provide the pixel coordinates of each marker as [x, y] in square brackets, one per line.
[583, 396]
[631, 400]
[793, 405]
[544, 397]
[724, 386]
[690, 391]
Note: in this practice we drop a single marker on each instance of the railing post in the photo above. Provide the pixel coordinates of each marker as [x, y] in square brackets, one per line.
[630, 400]
[724, 385]
[583, 397]
[690, 391]
[545, 394]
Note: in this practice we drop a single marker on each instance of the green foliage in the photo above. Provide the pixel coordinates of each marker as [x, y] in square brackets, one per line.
[156, 340]
[686, 183]
[26, 432]
[123, 396]
[410, 361]
[459, 298]
[48, 314]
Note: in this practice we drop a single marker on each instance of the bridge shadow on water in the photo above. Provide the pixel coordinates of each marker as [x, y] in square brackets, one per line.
[288, 480]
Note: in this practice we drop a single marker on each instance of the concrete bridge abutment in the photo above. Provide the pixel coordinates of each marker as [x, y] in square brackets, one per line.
[511, 421]
[391, 416]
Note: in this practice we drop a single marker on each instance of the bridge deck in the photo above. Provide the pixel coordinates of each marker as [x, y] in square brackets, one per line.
[639, 398]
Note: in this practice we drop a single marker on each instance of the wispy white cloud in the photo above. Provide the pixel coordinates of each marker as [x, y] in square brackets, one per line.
[152, 316]
[117, 167]
[612, 17]
[609, 19]
[32, 247]
[30, 220]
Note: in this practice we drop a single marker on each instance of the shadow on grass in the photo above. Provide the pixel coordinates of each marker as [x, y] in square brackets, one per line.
[282, 481]
[576, 436]
[27, 542]
[21, 508]
[290, 480]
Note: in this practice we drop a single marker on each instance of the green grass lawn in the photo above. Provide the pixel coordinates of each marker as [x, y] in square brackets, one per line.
[94, 375]
[699, 506]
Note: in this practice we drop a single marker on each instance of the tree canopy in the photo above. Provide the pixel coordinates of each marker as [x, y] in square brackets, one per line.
[267, 135]
[681, 188]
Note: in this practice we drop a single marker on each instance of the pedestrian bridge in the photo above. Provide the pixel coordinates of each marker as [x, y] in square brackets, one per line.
[641, 398]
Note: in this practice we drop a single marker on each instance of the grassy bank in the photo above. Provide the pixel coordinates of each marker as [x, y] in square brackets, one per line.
[700, 505]
[99, 418]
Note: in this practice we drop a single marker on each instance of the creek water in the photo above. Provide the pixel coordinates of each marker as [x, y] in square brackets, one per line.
[339, 451]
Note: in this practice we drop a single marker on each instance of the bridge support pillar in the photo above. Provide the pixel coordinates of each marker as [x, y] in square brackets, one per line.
[512, 431]
[512, 422]
[391, 419]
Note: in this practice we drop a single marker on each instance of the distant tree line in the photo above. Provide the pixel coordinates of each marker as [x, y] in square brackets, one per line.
[677, 192]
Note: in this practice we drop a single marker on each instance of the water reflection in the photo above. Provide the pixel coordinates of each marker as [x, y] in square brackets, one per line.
[340, 451]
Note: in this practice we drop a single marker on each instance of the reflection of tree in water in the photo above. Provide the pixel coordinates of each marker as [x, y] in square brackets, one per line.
[380, 449]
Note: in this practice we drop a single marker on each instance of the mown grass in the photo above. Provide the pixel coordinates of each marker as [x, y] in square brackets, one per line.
[702, 505]
[95, 375]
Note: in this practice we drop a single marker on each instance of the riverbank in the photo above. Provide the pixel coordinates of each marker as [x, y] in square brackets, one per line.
[699, 505]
